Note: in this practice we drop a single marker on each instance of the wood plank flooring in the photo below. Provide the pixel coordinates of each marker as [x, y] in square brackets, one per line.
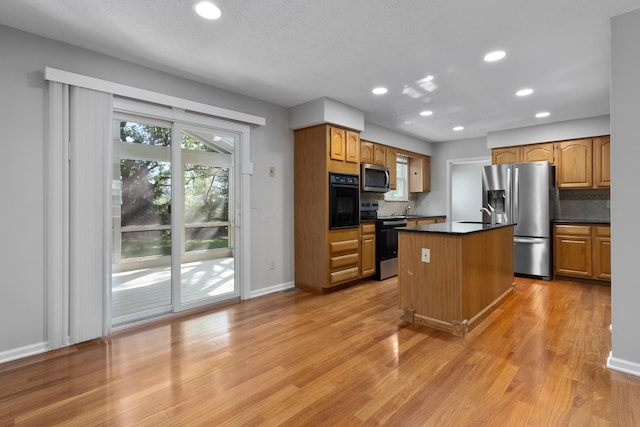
[345, 358]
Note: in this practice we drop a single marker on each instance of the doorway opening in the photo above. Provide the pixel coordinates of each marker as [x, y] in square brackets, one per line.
[464, 188]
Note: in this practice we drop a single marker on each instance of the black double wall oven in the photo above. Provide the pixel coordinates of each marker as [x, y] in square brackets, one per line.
[344, 201]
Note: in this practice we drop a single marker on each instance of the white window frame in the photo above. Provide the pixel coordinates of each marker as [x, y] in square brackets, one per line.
[401, 193]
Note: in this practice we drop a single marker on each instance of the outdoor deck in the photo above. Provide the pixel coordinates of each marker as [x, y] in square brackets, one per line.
[139, 291]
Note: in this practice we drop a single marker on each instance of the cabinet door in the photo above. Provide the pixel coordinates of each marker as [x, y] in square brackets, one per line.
[602, 252]
[379, 155]
[538, 153]
[426, 173]
[368, 265]
[337, 145]
[366, 152]
[574, 163]
[391, 164]
[602, 161]
[504, 155]
[573, 255]
[419, 174]
[352, 154]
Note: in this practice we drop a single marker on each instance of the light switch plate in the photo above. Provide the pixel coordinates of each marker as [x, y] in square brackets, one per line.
[426, 255]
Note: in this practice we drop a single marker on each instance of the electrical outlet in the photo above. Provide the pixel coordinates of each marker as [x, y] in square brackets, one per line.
[426, 255]
[272, 171]
[272, 264]
[608, 204]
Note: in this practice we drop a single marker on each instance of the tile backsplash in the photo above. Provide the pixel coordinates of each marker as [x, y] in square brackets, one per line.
[386, 208]
[584, 204]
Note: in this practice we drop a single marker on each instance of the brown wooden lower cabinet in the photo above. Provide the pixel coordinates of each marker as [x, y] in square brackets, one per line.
[582, 250]
[344, 256]
[368, 249]
[602, 252]
[425, 221]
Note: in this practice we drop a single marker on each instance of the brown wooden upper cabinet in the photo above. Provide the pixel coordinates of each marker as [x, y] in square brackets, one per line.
[602, 161]
[344, 146]
[373, 153]
[500, 156]
[580, 163]
[575, 163]
[584, 163]
[524, 153]
[419, 174]
[538, 153]
[392, 164]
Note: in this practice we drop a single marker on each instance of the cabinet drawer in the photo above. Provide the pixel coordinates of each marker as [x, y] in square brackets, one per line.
[344, 275]
[343, 246]
[368, 228]
[344, 260]
[602, 231]
[426, 221]
[573, 230]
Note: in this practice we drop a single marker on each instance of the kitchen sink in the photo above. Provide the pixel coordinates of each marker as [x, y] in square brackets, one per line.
[473, 222]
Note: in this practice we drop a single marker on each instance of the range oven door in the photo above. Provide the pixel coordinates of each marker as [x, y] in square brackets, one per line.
[387, 247]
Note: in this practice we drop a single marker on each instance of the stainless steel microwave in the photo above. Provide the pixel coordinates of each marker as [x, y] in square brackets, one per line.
[374, 178]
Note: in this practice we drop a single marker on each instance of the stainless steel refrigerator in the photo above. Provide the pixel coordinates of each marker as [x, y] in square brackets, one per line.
[524, 194]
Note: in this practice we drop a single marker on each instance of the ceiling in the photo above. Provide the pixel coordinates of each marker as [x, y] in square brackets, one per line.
[289, 52]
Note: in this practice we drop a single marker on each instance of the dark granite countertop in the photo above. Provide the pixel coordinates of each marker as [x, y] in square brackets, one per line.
[411, 216]
[581, 221]
[453, 227]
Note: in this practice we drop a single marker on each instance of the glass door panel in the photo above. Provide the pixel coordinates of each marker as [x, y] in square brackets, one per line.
[141, 191]
[207, 267]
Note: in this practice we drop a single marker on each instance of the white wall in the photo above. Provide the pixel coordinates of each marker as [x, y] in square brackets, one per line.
[466, 190]
[570, 129]
[625, 227]
[434, 203]
[385, 136]
[23, 112]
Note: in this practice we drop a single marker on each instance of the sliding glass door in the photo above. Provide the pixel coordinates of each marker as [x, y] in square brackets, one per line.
[173, 228]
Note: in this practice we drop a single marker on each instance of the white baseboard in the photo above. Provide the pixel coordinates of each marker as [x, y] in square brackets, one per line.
[271, 289]
[622, 365]
[19, 353]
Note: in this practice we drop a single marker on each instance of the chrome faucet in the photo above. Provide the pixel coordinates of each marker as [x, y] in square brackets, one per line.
[491, 212]
[406, 210]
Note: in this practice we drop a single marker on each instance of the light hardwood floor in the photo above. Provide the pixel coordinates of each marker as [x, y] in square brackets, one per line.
[345, 358]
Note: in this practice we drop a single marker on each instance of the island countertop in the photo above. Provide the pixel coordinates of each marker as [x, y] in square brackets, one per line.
[455, 227]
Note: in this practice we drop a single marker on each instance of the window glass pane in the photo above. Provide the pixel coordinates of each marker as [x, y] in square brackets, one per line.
[145, 208]
[138, 133]
[401, 191]
[206, 193]
[205, 238]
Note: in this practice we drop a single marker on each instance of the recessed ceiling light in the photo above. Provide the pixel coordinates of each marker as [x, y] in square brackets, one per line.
[426, 113]
[495, 56]
[524, 92]
[208, 10]
[543, 114]
[458, 128]
[379, 90]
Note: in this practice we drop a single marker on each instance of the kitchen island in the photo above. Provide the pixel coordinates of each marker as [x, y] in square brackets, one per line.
[453, 274]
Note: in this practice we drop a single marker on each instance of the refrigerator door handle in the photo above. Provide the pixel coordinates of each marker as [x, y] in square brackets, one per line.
[508, 206]
[529, 240]
[516, 196]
